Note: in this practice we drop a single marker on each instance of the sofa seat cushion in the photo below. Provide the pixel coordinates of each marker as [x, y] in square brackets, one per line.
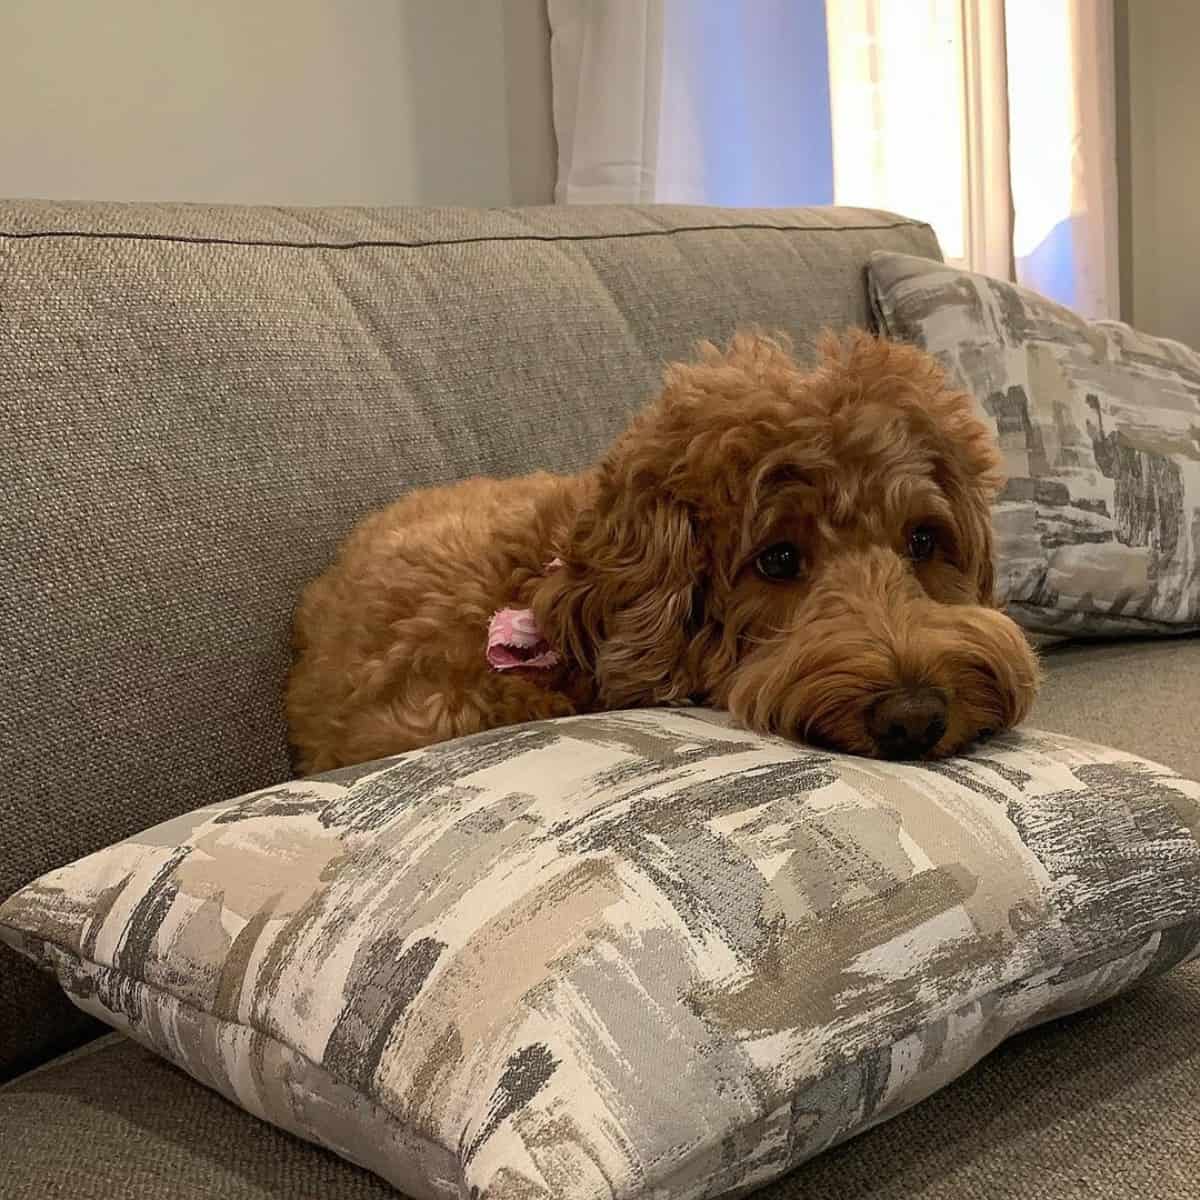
[1100, 1105]
[114, 1122]
[1141, 696]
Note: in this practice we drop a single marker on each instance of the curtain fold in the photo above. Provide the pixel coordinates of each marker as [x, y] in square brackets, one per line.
[987, 184]
[606, 66]
[1063, 158]
[691, 101]
[993, 120]
[897, 108]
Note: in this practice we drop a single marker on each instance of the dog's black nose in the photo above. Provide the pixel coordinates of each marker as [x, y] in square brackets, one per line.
[908, 722]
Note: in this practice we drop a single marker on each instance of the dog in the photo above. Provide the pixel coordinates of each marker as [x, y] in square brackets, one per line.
[809, 549]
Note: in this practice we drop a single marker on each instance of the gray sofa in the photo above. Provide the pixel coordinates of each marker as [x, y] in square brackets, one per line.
[197, 403]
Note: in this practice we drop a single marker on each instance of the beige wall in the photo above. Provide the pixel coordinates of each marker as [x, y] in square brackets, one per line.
[1158, 67]
[277, 101]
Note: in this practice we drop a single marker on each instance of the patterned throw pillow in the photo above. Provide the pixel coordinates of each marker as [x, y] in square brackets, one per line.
[635, 954]
[1098, 529]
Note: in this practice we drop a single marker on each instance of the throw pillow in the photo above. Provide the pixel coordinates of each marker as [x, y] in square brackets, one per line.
[1098, 528]
[634, 954]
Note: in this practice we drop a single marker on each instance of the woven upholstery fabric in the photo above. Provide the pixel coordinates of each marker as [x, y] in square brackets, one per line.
[1141, 696]
[113, 1122]
[1096, 1107]
[199, 402]
[1098, 524]
[632, 954]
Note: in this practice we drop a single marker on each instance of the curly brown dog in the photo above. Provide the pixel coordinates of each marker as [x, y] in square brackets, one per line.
[810, 549]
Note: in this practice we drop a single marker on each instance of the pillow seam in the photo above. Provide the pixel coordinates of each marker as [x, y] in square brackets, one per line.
[1151, 624]
[693, 1150]
[250, 1028]
[916, 1030]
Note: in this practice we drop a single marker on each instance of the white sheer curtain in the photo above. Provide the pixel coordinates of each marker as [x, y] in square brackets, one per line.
[691, 101]
[994, 120]
[606, 66]
[920, 124]
[1062, 113]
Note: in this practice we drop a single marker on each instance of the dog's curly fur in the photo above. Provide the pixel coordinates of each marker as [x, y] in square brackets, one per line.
[658, 599]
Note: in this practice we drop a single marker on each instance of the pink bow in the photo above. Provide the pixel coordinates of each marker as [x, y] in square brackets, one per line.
[514, 639]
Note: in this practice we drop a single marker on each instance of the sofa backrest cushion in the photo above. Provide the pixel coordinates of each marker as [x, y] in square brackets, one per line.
[199, 402]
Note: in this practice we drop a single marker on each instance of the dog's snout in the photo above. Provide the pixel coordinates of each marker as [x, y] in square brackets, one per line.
[908, 722]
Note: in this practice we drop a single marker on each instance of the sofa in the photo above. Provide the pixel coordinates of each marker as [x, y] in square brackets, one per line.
[199, 402]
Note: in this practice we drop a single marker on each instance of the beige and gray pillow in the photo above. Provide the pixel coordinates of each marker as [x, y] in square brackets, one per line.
[1099, 526]
[641, 953]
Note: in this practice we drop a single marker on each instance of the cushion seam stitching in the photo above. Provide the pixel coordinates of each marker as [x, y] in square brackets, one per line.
[915, 1031]
[250, 1028]
[419, 244]
[440, 1146]
[1152, 623]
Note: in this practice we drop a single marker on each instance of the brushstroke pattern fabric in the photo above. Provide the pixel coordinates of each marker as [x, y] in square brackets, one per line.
[627, 954]
[1098, 528]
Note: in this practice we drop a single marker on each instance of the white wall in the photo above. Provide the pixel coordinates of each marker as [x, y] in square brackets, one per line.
[277, 101]
[1158, 52]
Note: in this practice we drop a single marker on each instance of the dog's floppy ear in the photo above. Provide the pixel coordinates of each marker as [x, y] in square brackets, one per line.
[987, 575]
[975, 515]
[970, 467]
[623, 603]
[970, 473]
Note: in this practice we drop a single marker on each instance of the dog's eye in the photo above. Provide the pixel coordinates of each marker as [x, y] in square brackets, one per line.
[922, 542]
[780, 561]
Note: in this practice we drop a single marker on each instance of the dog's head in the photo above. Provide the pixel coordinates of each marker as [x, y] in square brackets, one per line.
[812, 550]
